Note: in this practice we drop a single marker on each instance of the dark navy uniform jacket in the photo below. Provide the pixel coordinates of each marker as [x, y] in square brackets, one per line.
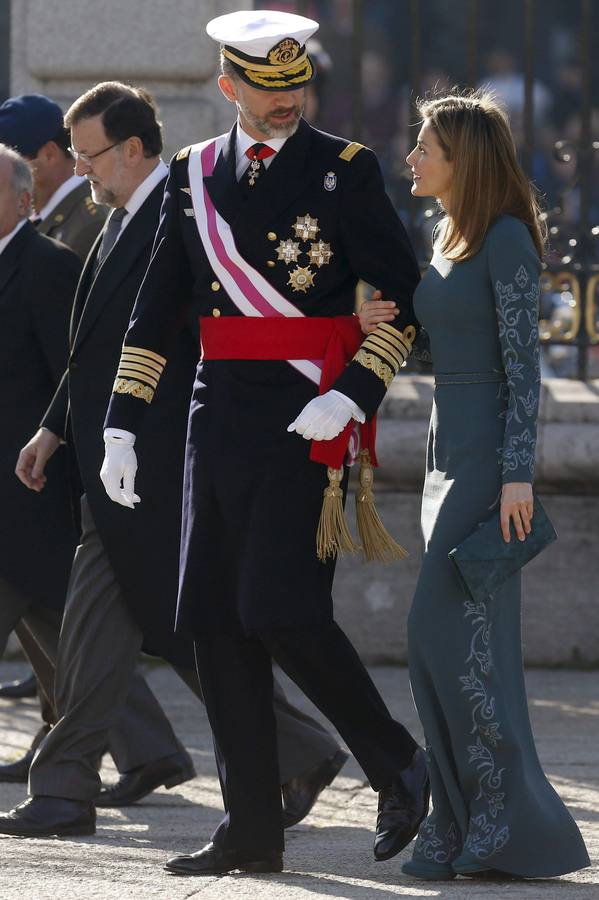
[252, 497]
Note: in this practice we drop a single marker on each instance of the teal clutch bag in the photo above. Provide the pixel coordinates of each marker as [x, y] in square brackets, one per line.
[484, 561]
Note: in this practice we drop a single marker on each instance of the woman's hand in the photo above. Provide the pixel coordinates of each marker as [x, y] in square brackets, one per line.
[375, 311]
[517, 505]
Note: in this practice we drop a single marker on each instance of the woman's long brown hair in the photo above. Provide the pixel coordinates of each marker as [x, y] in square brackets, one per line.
[487, 180]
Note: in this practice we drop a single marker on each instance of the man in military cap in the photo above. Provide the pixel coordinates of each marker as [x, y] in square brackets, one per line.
[64, 209]
[267, 230]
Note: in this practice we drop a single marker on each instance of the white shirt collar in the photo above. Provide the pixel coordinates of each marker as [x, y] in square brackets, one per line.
[143, 191]
[5, 241]
[59, 194]
[243, 142]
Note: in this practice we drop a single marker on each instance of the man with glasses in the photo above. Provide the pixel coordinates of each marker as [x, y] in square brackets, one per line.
[123, 583]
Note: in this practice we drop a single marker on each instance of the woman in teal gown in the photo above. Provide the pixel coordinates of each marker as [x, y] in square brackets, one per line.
[494, 809]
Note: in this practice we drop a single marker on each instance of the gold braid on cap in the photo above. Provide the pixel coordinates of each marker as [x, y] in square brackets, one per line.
[261, 67]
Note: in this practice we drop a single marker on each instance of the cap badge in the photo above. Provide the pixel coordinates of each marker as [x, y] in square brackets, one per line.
[330, 181]
[284, 53]
[301, 279]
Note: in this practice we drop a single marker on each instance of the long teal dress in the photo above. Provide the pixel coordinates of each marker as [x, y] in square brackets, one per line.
[493, 805]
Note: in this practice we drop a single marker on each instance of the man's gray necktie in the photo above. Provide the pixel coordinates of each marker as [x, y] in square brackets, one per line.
[113, 226]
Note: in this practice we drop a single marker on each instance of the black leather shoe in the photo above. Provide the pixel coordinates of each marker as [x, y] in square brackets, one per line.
[132, 786]
[212, 861]
[402, 807]
[17, 771]
[47, 816]
[301, 793]
[16, 690]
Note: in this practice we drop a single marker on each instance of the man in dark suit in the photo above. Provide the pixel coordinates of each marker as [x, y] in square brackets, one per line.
[32, 124]
[38, 278]
[124, 579]
[267, 229]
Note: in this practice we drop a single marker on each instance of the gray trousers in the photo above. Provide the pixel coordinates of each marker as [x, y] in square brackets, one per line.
[97, 654]
[140, 734]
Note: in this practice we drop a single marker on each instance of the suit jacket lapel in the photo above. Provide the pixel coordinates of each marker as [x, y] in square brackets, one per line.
[9, 259]
[135, 239]
[83, 289]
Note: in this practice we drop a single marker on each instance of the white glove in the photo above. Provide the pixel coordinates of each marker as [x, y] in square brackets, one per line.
[120, 464]
[324, 417]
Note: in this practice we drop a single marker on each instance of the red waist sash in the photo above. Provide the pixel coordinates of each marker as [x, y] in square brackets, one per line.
[330, 341]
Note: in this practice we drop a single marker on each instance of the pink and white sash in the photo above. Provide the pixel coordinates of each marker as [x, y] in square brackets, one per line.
[248, 289]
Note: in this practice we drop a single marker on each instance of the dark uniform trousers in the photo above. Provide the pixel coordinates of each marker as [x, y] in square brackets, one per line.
[324, 664]
[99, 644]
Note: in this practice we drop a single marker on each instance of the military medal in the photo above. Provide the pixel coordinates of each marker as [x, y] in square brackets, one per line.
[288, 251]
[306, 228]
[320, 254]
[301, 279]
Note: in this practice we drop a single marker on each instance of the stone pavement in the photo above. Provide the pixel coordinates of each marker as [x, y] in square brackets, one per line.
[329, 855]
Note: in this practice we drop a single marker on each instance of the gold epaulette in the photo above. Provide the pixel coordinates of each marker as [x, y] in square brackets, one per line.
[184, 153]
[138, 373]
[350, 151]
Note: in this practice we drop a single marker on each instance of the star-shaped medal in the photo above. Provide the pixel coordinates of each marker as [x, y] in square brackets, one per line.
[320, 254]
[306, 228]
[301, 279]
[288, 251]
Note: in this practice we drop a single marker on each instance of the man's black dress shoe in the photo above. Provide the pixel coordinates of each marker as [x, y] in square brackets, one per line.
[47, 816]
[301, 793]
[212, 861]
[16, 690]
[132, 786]
[17, 771]
[402, 807]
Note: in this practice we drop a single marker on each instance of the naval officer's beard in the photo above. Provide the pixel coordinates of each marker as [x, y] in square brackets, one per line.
[268, 125]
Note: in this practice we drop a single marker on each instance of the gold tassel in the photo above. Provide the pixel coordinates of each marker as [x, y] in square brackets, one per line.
[333, 536]
[377, 543]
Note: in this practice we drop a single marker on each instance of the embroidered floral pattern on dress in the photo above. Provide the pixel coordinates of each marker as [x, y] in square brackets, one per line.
[485, 834]
[517, 316]
[430, 846]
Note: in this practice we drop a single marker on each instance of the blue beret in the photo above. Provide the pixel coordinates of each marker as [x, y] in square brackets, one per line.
[28, 122]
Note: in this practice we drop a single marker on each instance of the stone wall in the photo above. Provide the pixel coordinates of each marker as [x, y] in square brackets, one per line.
[560, 588]
[62, 49]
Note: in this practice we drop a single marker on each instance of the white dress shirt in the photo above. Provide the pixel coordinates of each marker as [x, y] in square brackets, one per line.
[142, 192]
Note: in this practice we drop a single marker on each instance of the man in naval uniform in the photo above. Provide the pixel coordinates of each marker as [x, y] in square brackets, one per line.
[123, 584]
[267, 230]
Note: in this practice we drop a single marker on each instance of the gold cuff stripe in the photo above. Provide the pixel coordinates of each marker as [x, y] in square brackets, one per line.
[149, 374]
[392, 360]
[135, 388]
[258, 67]
[123, 372]
[350, 151]
[376, 365]
[143, 361]
[395, 336]
[139, 351]
[376, 342]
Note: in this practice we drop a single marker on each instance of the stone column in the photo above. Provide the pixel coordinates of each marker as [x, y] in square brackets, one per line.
[62, 49]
